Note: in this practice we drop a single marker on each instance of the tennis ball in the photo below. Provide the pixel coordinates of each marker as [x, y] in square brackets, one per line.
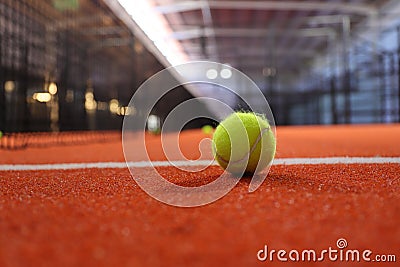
[207, 129]
[1, 134]
[244, 143]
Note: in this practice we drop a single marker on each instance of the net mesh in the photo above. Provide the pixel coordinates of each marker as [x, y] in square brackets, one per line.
[14, 141]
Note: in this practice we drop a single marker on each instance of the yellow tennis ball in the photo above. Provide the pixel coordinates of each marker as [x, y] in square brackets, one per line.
[207, 129]
[244, 143]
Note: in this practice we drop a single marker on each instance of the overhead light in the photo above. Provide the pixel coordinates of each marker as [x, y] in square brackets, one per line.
[114, 106]
[89, 96]
[126, 111]
[226, 73]
[42, 97]
[9, 86]
[157, 29]
[269, 72]
[53, 88]
[138, 47]
[90, 103]
[212, 74]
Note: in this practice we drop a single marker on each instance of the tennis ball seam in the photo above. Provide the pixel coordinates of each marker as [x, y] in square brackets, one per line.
[248, 154]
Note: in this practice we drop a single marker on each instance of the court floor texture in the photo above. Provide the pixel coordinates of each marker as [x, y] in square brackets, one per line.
[78, 205]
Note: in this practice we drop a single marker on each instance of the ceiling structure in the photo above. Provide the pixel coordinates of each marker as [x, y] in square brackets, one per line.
[279, 39]
[263, 38]
[275, 40]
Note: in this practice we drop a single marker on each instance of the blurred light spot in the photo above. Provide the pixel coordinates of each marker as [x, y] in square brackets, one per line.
[126, 111]
[53, 88]
[269, 72]
[90, 103]
[42, 97]
[138, 47]
[226, 73]
[89, 96]
[153, 123]
[107, 20]
[9, 86]
[69, 97]
[114, 106]
[212, 74]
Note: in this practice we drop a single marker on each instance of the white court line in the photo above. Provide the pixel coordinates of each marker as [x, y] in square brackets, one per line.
[142, 164]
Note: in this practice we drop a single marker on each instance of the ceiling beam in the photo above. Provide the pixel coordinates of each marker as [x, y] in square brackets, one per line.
[208, 22]
[263, 53]
[249, 32]
[124, 16]
[235, 51]
[346, 8]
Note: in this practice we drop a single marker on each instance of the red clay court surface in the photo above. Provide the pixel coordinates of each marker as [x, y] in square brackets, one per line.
[100, 217]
